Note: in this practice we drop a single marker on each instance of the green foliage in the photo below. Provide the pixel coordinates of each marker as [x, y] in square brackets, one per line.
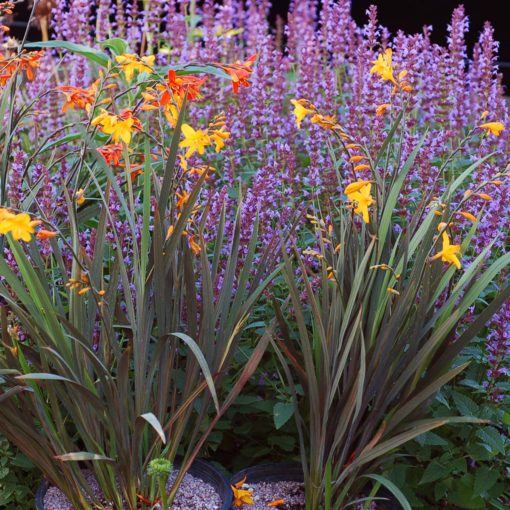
[466, 467]
[18, 478]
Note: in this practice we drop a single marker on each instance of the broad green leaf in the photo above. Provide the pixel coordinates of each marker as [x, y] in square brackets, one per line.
[198, 69]
[434, 471]
[116, 45]
[485, 479]
[80, 49]
[464, 404]
[282, 413]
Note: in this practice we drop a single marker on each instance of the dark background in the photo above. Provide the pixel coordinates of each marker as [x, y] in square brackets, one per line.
[412, 15]
[408, 15]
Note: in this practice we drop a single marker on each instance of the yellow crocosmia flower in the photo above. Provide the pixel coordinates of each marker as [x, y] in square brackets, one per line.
[195, 140]
[131, 63]
[494, 128]
[171, 113]
[383, 66]
[80, 196]
[5, 214]
[184, 163]
[449, 252]
[359, 168]
[301, 110]
[484, 196]
[120, 130]
[218, 136]
[242, 496]
[355, 186]
[120, 127]
[19, 225]
[361, 198]
[104, 118]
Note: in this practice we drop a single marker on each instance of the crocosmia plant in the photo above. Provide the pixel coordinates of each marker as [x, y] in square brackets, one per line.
[120, 313]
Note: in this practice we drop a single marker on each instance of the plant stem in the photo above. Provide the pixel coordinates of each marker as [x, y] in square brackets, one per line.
[162, 492]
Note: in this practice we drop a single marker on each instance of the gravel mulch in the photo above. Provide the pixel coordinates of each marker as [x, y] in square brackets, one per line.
[264, 493]
[193, 494]
[291, 493]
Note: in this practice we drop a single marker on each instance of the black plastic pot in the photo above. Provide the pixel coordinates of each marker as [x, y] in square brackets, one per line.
[199, 469]
[282, 472]
[293, 472]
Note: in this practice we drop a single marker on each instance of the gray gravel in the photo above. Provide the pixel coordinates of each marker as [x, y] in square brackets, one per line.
[292, 494]
[264, 493]
[193, 494]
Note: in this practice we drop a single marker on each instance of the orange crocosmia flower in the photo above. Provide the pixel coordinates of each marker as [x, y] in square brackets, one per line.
[135, 174]
[77, 97]
[183, 84]
[325, 121]
[240, 483]
[468, 216]
[112, 153]
[276, 503]
[195, 247]
[218, 136]
[355, 159]
[46, 234]
[381, 109]
[239, 72]
[199, 170]
[26, 63]
[355, 186]
[169, 107]
[183, 198]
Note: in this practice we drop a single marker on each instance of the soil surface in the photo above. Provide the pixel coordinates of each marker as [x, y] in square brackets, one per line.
[193, 494]
[265, 493]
